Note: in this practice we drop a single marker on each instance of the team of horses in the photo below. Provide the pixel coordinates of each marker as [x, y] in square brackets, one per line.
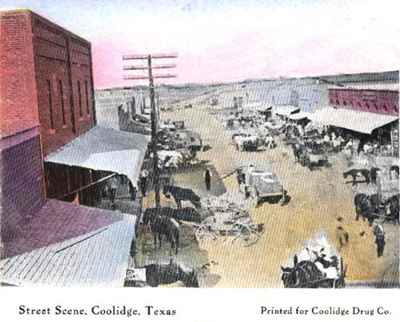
[157, 274]
[166, 221]
[308, 156]
[370, 207]
[306, 274]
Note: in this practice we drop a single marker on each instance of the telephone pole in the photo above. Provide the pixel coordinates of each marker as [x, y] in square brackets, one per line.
[154, 114]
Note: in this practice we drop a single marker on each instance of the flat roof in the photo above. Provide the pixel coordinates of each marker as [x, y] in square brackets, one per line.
[379, 86]
[358, 121]
[105, 149]
[44, 19]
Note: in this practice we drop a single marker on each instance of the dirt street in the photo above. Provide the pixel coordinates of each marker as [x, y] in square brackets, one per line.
[318, 199]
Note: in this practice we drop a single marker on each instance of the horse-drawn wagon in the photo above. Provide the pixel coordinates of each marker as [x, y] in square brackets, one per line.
[312, 157]
[260, 182]
[318, 265]
[380, 202]
[229, 219]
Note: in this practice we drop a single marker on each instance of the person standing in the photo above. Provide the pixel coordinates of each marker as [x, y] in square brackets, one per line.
[379, 234]
[342, 237]
[113, 189]
[143, 181]
[207, 179]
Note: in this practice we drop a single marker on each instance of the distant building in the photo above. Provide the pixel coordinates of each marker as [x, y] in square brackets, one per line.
[369, 109]
[374, 98]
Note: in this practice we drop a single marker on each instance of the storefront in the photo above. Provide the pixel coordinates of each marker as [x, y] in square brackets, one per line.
[365, 126]
[78, 169]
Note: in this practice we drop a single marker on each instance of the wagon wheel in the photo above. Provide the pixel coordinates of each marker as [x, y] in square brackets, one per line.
[246, 236]
[203, 232]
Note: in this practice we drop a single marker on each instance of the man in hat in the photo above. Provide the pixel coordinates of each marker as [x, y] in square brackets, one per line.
[143, 181]
[207, 179]
[379, 234]
[113, 189]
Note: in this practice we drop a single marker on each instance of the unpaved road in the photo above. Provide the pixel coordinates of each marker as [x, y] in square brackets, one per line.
[318, 198]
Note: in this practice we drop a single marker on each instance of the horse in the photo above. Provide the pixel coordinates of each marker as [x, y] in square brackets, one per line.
[297, 151]
[394, 168]
[374, 174]
[181, 214]
[354, 172]
[162, 225]
[180, 194]
[304, 275]
[366, 206]
[157, 274]
[392, 208]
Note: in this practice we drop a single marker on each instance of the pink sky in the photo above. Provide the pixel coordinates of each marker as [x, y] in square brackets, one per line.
[335, 37]
[225, 40]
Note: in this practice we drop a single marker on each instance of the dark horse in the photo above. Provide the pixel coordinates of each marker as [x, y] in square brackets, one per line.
[182, 214]
[367, 207]
[307, 275]
[297, 151]
[180, 194]
[157, 274]
[354, 172]
[162, 225]
[392, 209]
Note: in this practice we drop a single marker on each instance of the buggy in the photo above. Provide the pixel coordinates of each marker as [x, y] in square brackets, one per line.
[311, 157]
[318, 265]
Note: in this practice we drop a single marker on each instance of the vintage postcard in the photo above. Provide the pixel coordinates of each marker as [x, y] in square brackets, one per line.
[186, 144]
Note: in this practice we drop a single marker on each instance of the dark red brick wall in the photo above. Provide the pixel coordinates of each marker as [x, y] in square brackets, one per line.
[63, 61]
[18, 103]
[38, 58]
[21, 170]
[375, 101]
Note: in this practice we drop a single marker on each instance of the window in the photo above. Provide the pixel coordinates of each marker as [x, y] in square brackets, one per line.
[80, 99]
[344, 103]
[61, 93]
[337, 102]
[367, 105]
[50, 101]
[87, 97]
[395, 108]
[384, 107]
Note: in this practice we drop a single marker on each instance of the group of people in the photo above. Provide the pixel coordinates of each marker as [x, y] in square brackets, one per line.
[343, 237]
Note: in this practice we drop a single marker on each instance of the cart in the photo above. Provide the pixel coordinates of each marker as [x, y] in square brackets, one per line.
[260, 182]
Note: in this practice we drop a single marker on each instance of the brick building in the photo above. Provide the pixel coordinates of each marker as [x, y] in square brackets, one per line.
[46, 107]
[381, 99]
[366, 111]
[377, 100]
[54, 67]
